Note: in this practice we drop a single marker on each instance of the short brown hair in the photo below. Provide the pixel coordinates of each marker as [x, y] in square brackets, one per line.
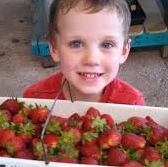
[92, 6]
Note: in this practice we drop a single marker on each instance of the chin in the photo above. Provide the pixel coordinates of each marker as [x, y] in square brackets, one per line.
[91, 91]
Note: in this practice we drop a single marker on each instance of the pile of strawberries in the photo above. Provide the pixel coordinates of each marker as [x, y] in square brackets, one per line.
[93, 138]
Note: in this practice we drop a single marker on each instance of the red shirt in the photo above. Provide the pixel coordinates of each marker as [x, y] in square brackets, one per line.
[117, 91]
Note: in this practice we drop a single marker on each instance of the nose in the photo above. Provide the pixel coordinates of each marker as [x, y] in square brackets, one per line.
[92, 56]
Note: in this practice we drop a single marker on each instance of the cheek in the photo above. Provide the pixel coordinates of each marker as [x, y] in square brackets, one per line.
[67, 63]
[112, 64]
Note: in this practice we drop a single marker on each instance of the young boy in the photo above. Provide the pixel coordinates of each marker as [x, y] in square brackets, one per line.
[90, 40]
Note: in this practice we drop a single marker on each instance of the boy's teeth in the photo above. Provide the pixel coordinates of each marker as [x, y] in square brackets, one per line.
[90, 75]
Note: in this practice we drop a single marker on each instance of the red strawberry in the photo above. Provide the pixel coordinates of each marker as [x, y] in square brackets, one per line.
[94, 124]
[150, 121]
[26, 138]
[116, 157]
[25, 110]
[5, 136]
[5, 116]
[132, 164]
[90, 137]
[131, 140]
[109, 119]
[51, 140]
[109, 138]
[52, 158]
[75, 121]
[55, 125]
[70, 136]
[89, 160]
[11, 105]
[37, 129]
[39, 114]
[166, 164]
[150, 154]
[157, 133]
[68, 151]
[18, 118]
[24, 154]
[4, 153]
[88, 150]
[165, 134]
[77, 133]
[138, 121]
[14, 145]
[25, 132]
[68, 160]
[37, 149]
[92, 112]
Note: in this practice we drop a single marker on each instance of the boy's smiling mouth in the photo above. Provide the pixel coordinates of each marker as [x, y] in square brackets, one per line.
[90, 75]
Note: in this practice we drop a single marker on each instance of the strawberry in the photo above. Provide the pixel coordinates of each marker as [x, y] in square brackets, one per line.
[54, 125]
[89, 150]
[5, 136]
[25, 110]
[51, 141]
[157, 133]
[89, 160]
[150, 121]
[162, 147]
[166, 164]
[24, 154]
[70, 137]
[18, 118]
[92, 113]
[14, 144]
[76, 132]
[69, 151]
[52, 158]
[109, 138]
[116, 157]
[39, 114]
[37, 149]
[94, 124]
[109, 119]
[138, 121]
[26, 138]
[5, 116]
[165, 134]
[68, 160]
[37, 129]
[75, 121]
[134, 154]
[62, 121]
[131, 140]
[11, 105]
[89, 137]
[132, 164]
[24, 131]
[150, 154]
[4, 153]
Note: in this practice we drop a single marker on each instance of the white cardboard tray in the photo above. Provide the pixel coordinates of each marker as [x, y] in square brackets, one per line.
[66, 108]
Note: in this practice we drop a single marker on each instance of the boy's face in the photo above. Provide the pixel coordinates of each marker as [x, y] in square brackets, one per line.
[90, 48]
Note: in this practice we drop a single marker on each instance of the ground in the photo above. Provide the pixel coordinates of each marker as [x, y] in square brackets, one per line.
[144, 69]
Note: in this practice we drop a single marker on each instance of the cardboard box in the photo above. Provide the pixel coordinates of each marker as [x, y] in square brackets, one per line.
[66, 108]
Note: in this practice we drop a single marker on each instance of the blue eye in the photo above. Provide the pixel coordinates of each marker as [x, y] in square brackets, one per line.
[76, 44]
[107, 45]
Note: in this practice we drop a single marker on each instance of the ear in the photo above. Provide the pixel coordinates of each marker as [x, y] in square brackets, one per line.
[125, 51]
[53, 51]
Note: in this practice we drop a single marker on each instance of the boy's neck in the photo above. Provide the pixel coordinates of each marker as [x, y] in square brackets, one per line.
[72, 94]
